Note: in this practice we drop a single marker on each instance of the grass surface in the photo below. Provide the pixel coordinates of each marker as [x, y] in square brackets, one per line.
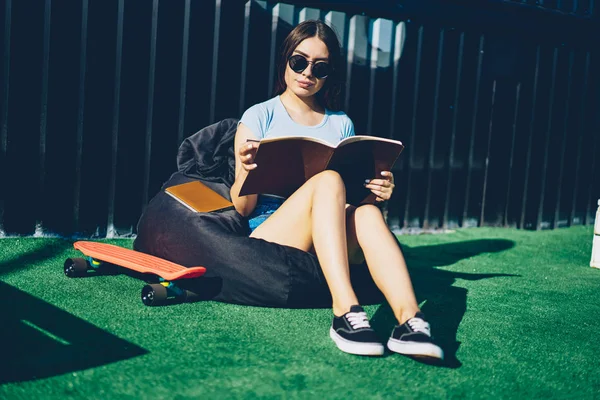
[517, 313]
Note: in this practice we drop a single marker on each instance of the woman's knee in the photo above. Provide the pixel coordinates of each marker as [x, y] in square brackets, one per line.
[330, 181]
[367, 214]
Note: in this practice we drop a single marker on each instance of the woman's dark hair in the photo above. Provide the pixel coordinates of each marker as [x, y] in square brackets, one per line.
[329, 95]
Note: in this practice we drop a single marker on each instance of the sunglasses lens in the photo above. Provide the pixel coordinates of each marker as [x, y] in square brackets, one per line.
[321, 70]
[298, 63]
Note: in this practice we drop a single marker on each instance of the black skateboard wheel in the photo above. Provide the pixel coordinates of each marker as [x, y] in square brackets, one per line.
[154, 295]
[75, 267]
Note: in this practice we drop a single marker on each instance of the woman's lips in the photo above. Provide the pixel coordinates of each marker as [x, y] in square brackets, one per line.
[305, 84]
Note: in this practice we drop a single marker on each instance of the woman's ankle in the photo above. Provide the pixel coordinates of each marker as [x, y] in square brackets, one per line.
[406, 314]
[339, 310]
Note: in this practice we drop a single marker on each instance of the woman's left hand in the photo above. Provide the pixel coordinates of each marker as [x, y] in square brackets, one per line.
[382, 188]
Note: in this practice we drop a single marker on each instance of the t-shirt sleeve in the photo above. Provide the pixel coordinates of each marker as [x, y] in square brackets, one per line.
[348, 128]
[255, 119]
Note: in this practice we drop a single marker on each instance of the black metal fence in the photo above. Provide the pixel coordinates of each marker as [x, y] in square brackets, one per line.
[497, 103]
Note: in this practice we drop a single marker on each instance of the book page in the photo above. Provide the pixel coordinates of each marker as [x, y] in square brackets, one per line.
[362, 138]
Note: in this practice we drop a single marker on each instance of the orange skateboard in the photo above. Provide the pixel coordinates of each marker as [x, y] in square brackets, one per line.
[100, 254]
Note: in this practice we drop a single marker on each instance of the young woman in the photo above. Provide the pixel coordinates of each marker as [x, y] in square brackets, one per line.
[316, 217]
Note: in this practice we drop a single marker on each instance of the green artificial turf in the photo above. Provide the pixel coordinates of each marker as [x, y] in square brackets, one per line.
[517, 312]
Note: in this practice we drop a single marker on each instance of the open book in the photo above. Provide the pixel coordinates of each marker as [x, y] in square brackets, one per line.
[284, 164]
[198, 197]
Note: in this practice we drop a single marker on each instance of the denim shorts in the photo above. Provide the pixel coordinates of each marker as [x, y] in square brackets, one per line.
[265, 207]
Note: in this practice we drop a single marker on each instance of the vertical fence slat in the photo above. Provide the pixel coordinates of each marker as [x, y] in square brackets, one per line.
[380, 33]
[540, 212]
[39, 229]
[473, 130]
[350, 58]
[80, 115]
[215, 61]
[244, 60]
[358, 73]
[282, 14]
[273, 52]
[337, 20]
[459, 67]
[530, 141]
[591, 202]
[184, 71]
[399, 39]
[487, 156]
[112, 183]
[564, 143]
[512, 153]
[434, 122]
[4, 115]
[308, 13]
[375, 34]
[413, 132]
[150, 104]
[581, 134]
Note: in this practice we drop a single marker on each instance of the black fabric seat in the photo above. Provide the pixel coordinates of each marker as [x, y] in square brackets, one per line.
[240, 269]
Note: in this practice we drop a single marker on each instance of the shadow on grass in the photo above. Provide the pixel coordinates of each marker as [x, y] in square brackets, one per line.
[34, 256]
[445, 304]
[41, 340]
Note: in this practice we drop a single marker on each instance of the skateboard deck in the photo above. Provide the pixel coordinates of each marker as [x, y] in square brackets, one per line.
[154, 294]
[140, 262]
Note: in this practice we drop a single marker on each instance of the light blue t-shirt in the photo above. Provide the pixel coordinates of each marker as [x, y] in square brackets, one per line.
[270, 119]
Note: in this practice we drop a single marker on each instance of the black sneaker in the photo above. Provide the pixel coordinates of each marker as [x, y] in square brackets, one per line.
[413, 338]
[352, 333]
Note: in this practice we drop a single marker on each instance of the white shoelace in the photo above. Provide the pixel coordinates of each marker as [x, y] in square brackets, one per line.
[358, 320]
[418, 325]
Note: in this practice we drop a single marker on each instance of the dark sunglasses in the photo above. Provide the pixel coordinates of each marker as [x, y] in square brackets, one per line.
[320, 69]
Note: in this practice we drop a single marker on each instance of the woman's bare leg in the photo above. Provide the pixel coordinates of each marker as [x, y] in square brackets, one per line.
[315, 216]
[367, 231]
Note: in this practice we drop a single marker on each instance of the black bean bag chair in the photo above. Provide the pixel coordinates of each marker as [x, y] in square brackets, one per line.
[240, 269]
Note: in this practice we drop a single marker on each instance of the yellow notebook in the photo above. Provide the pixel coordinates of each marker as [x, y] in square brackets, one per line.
[198, 197]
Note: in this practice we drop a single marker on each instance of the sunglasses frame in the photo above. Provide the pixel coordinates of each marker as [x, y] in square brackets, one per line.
[314, 63]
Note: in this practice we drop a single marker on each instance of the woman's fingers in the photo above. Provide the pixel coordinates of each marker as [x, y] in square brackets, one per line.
[247, 153]
[389, 175]
[379, 182]
[381, 195]
[248, 148]
[382, 188]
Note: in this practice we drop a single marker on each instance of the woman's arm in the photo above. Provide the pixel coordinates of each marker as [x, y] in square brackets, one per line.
[244, 162]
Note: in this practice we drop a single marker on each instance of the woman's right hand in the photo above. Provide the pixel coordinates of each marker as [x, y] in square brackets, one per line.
[247, 153]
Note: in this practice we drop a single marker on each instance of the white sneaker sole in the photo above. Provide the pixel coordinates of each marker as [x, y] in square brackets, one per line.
[361, 349]
[416, 349]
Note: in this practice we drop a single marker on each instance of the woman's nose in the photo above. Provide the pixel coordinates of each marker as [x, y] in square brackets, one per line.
[308, 70]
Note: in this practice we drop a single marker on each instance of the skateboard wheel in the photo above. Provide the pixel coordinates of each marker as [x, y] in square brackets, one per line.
[75, 267]
[154, 295]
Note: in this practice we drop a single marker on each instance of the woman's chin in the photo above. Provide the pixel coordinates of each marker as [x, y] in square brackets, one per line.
[304, 91]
